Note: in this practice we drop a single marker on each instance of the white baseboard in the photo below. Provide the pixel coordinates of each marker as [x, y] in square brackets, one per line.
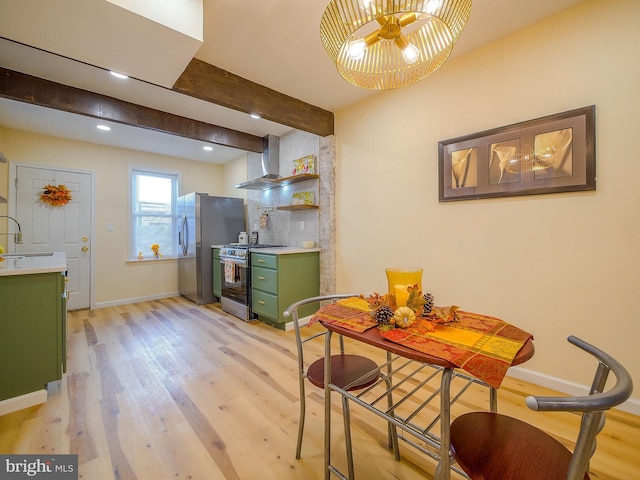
[301, 321]
[568, 388]
[23, 401]
[126, 301]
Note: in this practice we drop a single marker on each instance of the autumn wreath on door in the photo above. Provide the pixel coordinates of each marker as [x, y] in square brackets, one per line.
[57, 196]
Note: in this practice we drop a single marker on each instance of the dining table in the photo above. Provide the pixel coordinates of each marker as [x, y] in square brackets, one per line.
[427, 369]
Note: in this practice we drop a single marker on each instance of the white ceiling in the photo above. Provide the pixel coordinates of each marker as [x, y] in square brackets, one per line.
[276, 45]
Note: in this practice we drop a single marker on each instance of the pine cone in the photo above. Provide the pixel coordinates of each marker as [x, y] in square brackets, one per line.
[429, 301]
[383, 315]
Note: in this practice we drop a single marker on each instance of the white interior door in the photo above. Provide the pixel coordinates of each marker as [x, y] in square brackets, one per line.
[67, 228]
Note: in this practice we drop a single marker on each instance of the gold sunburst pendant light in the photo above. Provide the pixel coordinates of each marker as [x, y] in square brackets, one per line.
[384, 44]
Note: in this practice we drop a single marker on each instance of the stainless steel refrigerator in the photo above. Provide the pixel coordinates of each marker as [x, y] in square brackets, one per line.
[204, 221]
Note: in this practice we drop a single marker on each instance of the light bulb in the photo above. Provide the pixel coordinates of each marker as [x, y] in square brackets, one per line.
[430, 6]
[410, 53]
[356, 49]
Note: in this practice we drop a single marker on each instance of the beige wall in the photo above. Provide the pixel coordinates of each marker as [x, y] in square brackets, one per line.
[235, 172]
[117, 281]
[552, 264]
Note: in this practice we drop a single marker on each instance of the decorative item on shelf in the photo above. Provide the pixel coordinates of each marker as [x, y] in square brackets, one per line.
[155, 248]
[56, 196]
[389, 44]
[304, 165]
[303, 198]
[140, 255]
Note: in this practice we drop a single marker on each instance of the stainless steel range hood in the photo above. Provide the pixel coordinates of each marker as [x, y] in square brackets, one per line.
[270, 166]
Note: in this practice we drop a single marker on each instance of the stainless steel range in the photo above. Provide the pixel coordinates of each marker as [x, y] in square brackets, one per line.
[235, 270]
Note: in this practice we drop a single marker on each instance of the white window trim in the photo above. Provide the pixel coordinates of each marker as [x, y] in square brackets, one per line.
[132, 256]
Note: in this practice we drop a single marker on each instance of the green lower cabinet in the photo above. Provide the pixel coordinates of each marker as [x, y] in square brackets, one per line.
[217, 274]
[280, 280]
[32, 332]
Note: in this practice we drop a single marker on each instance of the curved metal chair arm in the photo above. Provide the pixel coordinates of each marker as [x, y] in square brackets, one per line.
[292, 309]
[523, 451]
[619, 393]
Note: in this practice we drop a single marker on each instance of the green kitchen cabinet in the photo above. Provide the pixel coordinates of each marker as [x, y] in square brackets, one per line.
[278, 280]
[217, 274]
[32, 332]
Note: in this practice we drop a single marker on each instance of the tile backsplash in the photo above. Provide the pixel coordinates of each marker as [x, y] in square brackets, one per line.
[283, 226]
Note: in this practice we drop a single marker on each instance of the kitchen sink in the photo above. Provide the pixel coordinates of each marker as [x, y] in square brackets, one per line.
[23, 255]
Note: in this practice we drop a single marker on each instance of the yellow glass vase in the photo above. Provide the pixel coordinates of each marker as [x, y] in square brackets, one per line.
[399, 279]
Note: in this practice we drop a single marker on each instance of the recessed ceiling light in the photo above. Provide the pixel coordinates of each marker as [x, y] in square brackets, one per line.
[104, 127]
[207, 148]
[255, 115]
[118, 75]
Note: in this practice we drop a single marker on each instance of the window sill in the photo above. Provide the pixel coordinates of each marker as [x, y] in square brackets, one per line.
[161, 259]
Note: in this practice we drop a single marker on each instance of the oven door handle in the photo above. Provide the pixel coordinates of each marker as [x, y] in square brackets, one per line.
[238, 262]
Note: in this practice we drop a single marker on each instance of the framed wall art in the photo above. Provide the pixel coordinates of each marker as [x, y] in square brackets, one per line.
[551, 154]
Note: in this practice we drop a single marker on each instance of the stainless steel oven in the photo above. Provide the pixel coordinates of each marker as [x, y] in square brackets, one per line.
[235, 275]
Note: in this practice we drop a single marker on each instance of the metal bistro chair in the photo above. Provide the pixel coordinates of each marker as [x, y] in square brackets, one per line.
[497, 447]
[348, 371]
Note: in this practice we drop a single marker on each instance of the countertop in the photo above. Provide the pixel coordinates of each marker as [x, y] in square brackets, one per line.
[279, 250]
[284, 250]
[33, 263]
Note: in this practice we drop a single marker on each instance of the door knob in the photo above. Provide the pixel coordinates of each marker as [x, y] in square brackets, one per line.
[84, 248]
[84, 239]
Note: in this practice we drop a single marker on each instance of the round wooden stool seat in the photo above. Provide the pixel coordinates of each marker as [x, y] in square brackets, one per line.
[345, 368]
[490, 446]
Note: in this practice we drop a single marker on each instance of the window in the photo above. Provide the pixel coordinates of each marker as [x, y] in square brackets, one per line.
[153, 204]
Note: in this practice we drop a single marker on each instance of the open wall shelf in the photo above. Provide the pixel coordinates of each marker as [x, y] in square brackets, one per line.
[297, 207]
[296, 178]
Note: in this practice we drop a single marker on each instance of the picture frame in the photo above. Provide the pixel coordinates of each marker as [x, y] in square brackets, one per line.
[550, 154]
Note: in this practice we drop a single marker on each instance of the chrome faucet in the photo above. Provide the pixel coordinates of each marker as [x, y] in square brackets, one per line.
[17, 237]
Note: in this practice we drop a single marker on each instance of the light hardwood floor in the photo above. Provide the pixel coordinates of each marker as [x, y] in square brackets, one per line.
[166, 389]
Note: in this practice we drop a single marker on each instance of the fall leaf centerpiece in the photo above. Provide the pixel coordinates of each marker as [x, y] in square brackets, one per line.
[388, 314]
[418, 306]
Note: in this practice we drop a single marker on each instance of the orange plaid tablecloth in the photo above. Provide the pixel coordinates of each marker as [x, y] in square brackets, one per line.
[351, 313]
[481, 345]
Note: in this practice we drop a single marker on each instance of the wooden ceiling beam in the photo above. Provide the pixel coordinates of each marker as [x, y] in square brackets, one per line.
[37, 91]
[212, 84]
